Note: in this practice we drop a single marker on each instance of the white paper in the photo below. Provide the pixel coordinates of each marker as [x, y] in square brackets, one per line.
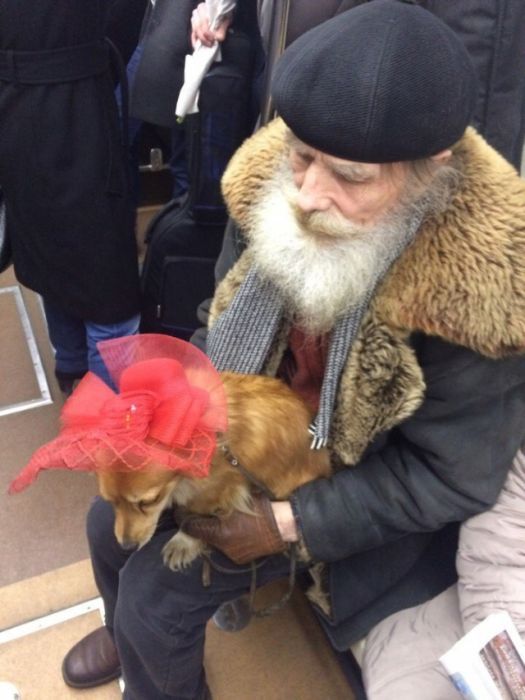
[488, 663]
[198, 63]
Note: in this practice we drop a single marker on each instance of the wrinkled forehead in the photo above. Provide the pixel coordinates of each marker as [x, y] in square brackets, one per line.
[348, 168]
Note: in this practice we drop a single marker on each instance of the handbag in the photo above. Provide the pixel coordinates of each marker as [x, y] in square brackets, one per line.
[5, 244]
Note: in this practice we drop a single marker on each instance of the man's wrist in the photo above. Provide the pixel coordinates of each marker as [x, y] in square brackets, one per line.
[285, 520]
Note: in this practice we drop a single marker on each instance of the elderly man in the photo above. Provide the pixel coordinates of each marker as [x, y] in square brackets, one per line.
[383, 279]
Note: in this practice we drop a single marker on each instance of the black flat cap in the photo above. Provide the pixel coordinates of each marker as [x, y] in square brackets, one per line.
[383, 82]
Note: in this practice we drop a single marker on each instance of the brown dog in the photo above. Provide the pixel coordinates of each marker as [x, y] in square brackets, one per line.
[268, 435]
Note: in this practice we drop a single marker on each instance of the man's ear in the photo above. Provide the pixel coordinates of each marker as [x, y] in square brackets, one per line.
[442, 157]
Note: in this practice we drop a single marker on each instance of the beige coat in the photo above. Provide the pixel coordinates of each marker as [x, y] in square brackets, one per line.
[402, 652]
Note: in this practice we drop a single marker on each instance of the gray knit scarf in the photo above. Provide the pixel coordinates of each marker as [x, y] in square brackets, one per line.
[241, 339]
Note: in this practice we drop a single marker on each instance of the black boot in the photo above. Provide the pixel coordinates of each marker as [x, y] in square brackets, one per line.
[67, 381]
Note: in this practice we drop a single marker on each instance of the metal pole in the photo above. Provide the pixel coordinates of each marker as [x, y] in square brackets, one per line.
[276, 45]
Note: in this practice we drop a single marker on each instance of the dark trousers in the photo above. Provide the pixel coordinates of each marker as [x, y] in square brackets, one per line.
[158, 616]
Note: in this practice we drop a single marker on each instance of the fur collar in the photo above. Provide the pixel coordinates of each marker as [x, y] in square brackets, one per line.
[463, 279]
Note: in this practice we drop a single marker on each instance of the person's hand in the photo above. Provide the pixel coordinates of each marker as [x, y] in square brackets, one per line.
[242, 537]
[200, 27]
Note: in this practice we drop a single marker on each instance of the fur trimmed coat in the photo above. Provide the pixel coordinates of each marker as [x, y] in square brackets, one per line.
[430, 408]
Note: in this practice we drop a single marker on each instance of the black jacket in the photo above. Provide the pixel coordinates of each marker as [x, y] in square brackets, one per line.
[390, 523]
[430, 425]
[63, 163]
[165, 42]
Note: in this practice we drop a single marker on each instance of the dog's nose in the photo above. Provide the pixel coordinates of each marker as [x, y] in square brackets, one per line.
[128, 544]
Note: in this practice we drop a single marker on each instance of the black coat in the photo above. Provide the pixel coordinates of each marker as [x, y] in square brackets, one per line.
[386, 526]
[63, 164]
[165, 43]
[390, 524]
[389, 553]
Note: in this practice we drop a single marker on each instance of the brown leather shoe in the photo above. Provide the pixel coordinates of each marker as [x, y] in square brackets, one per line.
[92, 661]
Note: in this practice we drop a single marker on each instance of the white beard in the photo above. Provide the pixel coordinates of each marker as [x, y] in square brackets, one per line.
[320, 277]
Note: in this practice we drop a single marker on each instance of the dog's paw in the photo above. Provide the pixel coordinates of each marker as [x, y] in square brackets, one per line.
[181, 551]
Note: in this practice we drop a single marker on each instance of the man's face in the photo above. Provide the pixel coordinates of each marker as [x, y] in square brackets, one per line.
[324, 230]
[361, 193]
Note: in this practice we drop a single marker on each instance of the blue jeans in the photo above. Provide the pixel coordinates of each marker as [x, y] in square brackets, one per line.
[75, 341]
[158, 616]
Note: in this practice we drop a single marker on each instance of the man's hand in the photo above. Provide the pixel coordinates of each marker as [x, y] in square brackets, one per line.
[200, 27]
[240, 536]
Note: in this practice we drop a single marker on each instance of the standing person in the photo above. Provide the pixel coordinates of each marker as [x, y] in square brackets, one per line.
[64, 173]
[383, 279]
[156, 69]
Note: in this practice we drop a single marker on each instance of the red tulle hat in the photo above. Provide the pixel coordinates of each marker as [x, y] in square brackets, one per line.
[168, 409]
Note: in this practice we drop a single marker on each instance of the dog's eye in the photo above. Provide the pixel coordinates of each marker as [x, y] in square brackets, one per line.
[143, 505]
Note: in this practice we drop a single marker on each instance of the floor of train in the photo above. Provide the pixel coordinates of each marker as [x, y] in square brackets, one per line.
[48, 598]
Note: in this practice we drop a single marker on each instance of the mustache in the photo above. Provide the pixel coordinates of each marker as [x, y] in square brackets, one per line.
[322, 223]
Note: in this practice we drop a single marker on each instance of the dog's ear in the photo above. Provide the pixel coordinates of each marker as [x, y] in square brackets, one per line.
[104, 485]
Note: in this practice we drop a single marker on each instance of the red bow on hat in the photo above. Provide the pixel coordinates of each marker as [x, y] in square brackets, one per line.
[166, 414]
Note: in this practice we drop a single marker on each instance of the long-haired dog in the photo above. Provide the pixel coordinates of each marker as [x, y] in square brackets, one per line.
[177, 433]
[267, 435]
